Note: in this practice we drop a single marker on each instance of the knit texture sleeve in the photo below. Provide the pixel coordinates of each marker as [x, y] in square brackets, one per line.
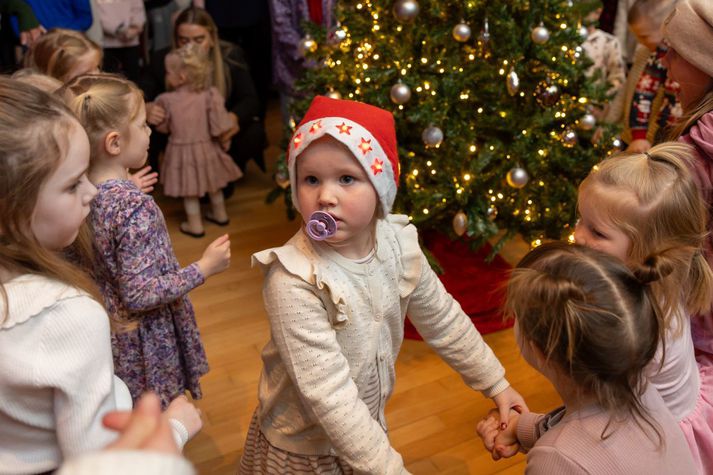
[143, 284]
[74, 357]
[311, 354]
[549, 461]
[529, 429]
[439, 319]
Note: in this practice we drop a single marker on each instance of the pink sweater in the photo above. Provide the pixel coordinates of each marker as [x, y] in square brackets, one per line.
[570, 443]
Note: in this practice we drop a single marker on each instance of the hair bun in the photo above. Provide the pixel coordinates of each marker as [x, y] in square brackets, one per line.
[654, 267]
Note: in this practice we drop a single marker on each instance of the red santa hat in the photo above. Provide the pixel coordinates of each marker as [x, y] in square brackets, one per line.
[367, 131]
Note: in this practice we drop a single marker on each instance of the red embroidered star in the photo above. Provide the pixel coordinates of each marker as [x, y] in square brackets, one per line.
[377, 166]
[297, 140]
[315, 127]
[344, 128]
[365, 146]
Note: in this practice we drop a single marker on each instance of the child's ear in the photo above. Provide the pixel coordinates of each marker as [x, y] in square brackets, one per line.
[112, 144]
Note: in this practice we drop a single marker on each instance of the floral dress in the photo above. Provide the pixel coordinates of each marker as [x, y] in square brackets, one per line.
[155, 339]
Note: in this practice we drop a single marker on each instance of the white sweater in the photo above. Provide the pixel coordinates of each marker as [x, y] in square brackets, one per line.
[337, 327]
[56, 375]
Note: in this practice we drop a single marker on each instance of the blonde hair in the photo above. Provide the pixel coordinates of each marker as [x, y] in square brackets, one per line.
[39, 80]
[593, 319]
[33, 140]
[103, 102]
[655, 11]
[197, 16]
[57, 52]
[689, 119]
[194, 64]
[665, 218]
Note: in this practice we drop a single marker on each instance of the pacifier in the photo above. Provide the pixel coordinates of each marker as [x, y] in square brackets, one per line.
[321, 226]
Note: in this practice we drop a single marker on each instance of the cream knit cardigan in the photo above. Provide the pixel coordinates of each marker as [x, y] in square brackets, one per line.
[337, 327]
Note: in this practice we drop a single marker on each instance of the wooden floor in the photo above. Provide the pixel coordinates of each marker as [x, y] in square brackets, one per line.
[432, 414]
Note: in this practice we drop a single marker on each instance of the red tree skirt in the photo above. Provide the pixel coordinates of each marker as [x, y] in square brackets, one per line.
[476, 284]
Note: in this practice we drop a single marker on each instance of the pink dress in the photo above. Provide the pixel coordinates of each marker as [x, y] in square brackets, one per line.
[195, 163]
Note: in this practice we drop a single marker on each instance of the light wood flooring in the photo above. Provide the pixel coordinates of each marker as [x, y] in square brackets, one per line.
[432, 414]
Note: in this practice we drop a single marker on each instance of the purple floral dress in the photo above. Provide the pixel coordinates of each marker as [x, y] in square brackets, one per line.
[155, 338]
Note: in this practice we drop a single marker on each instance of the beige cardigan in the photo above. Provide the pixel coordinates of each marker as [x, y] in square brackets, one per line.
[337, 324]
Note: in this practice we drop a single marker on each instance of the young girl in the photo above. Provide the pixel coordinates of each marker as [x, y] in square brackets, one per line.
[591, 327]
[64, 54]
[689, 31]
[195, 162]
[646, 210]
[155, 337]
[337, 306]
[56, 372]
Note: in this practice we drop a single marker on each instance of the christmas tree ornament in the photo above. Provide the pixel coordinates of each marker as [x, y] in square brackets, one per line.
[432, 136]
[512, 81]
[321, 226]
[583, 32]
[517, 177]
[569, 138]
[306, 45]
[492, 213]
[587, 122]
[332, 94]
[540, 35]
[460, 223]
[617, 143]
[406, 10]
[282, 179]
[485, 32]
[400, 93]
[461, 32]
[336, 35]
[547, 94]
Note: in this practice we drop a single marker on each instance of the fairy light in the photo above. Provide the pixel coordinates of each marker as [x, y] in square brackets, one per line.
[425, 210]
[571, 239]
[424, 60]
[563, 26]
[480, 110]
[473, 148]
[536, 243]
[467, 177]
[429, 163]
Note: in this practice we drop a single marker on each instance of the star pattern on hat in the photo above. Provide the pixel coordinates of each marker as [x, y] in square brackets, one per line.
[365, 146]
[377, 167]
[297, 140]
[344, 128]
[315, 127]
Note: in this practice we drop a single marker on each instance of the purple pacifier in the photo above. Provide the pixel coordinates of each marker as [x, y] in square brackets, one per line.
[321, 226]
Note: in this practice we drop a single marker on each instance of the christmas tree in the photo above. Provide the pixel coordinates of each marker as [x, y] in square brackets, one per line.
[491, 101]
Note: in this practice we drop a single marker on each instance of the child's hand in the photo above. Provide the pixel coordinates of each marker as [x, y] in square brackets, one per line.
[155, 114]
[144, 180]
[128, 34]
[500, 443]
[639, 146]
[216, 257]
[506, 400]
[143, 428]
[186, 413]
[226, 137]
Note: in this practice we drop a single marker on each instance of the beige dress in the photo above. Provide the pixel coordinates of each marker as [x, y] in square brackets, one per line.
[195, 163]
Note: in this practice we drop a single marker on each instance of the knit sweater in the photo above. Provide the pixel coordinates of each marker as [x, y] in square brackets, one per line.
[565, 443]
[56, 375]
[337, 327]
[121, 462]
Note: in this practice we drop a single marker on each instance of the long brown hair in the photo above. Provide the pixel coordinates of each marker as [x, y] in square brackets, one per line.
[57, 52]
[664, 217]
[594, 320]
[33, 131]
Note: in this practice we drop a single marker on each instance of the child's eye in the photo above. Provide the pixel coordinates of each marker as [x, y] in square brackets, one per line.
[346, 179]
[598, 233]
[73, 188]
[311, 180]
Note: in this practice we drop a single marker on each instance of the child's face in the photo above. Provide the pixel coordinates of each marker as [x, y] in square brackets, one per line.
[595, 230]
[693, 82]
[647, 33]
[174, 78]
[63, 199]
[135, 148]
[330, 179]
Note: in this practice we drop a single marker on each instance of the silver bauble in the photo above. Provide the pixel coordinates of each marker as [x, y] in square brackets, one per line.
[540, 34]
[400, 93]
[546, 94]
[512, 81]
[460, 223]
[432, 136]
[282, 180]
[617, 143]
[583, 32]
[587, 122]
[461, 32]
[569, 138]
[336, 35]
[332, 94]
[406, 10]
[306, 45]
[485, 32]
[492, 213]
[517, 177]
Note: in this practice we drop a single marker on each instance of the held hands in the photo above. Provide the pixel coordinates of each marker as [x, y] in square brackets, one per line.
[186, 413]
[507, 400]
[501, 443]
[144, 180]
[216, 257]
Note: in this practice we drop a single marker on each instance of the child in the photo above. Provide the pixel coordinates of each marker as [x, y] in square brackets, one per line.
[591, 327]
[337, 307]
[64, 55]
[56, 372]
[650, 99]
[195, 162]
[646, 210]
[604, 51]
[155, 338]
[689, 32]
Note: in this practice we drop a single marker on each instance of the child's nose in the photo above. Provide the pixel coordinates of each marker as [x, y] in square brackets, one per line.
[327, 197]
[579, 237]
